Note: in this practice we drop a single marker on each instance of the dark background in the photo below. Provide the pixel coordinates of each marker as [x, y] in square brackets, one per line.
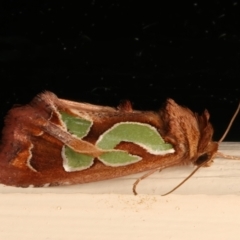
[106, 51]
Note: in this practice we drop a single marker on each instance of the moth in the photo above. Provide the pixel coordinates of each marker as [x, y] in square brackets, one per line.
[54, 141]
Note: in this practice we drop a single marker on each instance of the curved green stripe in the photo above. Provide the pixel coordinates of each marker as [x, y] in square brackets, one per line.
[139, 133]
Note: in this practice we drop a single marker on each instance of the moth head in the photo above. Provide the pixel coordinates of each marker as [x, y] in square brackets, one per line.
[207, 155]
[206, 147]
[192, 130]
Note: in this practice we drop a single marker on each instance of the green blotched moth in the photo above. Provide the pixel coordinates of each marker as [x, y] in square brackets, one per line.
[61, 142]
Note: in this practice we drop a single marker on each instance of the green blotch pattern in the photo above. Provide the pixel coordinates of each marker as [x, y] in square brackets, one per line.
[139, 133]
[75, 125]
[117, 158]
[142, 134]
[77, 160]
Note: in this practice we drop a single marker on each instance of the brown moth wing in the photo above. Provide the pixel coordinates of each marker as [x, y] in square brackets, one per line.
[33, 136]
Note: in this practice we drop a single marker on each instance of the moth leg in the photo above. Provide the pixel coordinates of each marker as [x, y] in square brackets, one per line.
[143, 177]
[222, 155]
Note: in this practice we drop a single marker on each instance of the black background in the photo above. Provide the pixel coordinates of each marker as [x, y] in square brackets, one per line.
[106, 51]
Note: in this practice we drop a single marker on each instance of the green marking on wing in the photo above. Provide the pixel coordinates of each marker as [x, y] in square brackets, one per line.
[141, 134]
[74, 161]
[75, 125]
[117, 158]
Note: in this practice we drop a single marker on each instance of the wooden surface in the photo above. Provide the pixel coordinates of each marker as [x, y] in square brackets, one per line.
[206, 207]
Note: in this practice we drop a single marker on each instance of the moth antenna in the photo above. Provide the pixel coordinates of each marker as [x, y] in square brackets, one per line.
[143, 177]
[230, 124]
[224, 135]
[190, 175]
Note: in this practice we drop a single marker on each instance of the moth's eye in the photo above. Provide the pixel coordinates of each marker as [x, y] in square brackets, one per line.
[201, 159]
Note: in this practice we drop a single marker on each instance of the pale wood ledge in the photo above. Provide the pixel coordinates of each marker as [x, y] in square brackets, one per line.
[206, 207]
